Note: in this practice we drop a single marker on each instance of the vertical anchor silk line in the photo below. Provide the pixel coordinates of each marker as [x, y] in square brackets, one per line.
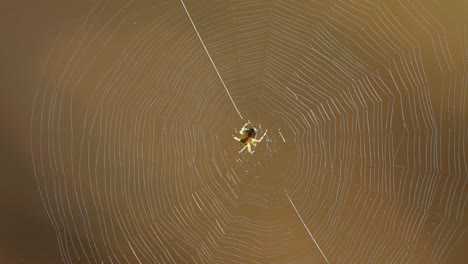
[221, 79]
[209, 56]
[308, 231]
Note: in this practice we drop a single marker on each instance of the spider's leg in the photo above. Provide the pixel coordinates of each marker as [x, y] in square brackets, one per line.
[246, 124]
[242, 149]
[237, 139]
[249, 148]
[259, 140]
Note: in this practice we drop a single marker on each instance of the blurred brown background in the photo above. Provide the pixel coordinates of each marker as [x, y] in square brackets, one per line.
[29, 30]
[26, 235]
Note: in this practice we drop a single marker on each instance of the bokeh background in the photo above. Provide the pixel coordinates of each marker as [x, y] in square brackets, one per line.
[166, 97]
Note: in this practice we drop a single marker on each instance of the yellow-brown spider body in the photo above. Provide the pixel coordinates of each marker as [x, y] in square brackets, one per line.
[247, 138]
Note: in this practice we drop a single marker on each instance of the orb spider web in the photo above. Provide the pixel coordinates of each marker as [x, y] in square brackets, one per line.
[364, 161]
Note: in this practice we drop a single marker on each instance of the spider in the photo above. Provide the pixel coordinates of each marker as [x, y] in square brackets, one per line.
[247, 137]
